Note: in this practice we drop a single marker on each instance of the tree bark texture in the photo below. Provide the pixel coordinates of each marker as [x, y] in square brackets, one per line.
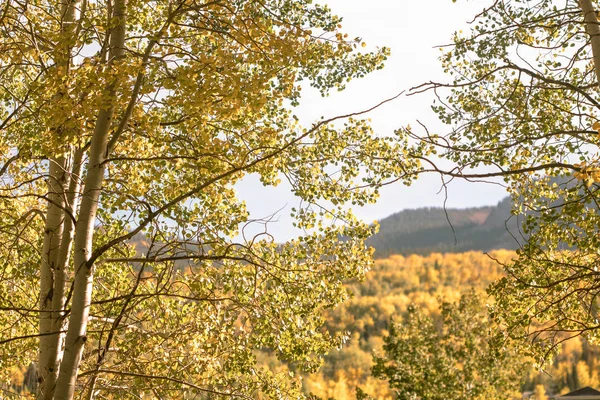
[592, 27]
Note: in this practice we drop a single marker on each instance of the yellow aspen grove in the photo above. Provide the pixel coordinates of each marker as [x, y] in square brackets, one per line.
[124, 128]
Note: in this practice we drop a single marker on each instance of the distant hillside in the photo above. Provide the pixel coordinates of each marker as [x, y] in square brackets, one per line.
[430, 229]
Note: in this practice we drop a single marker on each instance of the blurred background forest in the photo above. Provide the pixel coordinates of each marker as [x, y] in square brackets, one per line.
[422, 260]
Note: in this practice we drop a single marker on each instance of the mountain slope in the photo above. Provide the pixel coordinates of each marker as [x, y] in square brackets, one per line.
[434, 229]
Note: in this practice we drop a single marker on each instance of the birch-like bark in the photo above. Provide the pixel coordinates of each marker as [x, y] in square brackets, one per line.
[51, 272]
[593, 29]
[84, 227]
[62, 261]
[48, 347]
[64, 252]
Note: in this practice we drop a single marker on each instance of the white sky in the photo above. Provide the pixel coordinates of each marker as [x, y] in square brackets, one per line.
[411, 29]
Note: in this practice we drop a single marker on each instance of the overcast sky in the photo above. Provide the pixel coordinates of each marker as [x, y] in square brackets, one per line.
[411, 29]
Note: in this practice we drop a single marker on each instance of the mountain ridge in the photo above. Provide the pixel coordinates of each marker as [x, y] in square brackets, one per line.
[437, 229]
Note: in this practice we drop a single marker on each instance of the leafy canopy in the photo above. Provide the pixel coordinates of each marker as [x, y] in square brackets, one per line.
[522, 103]
[124, 127]
[459, 357]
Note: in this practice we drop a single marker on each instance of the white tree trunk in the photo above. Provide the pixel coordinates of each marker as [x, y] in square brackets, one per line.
[593, 29]
[56, 232]
[84, 228]
[49, 348]
[64, 253]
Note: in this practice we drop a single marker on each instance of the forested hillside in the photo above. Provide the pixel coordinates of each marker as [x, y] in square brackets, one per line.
[426, 230]
[396, 284]
[399, 282]
[422, 260]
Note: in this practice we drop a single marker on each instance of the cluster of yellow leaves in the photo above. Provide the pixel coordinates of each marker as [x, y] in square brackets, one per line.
[390, 288]
[588, 173]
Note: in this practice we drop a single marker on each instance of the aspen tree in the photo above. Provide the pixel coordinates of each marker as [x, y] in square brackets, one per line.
[124, 128]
